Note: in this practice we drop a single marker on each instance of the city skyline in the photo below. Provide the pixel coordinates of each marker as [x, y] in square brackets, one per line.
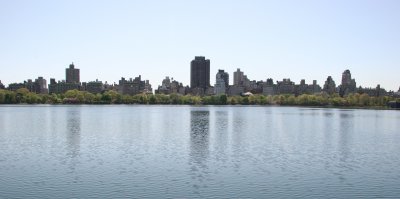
[200, 84]
[286, 39]
[72, 75]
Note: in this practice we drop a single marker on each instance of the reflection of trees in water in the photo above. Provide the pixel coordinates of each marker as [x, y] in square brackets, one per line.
[73, 133]
[199, 143]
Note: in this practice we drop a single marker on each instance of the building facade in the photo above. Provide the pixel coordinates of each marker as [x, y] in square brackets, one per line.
[38, 86]
[16, 86]
[72, 81]
[200, 73]
[61, 87]
[373, 92]
[304, 88]
[147, 87]
[171, 86]
[221, 83]
[131, 86]
[239, 79]
[72, 74]
[329, 86]
[269, 87]
[348, 85]
[93, 87]
[285, 87]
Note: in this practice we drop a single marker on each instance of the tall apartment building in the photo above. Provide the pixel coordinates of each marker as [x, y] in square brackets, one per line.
[72, 81]
[72, 74]
[200, 73]
[329, 86]
[40, 86]
[221, 82]
[348, 85]
[238, 78]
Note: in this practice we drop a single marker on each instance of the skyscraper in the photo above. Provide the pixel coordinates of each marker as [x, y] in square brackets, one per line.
[221, 82]
[346, 77]
[40, 85]
[72, 74]
[329, 86]
[200, 73]
[238, 77]
[348, 85]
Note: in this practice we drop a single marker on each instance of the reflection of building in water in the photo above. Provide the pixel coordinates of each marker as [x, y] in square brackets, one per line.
[199, 147]
[221, 131]
[73, 131]
[346, 132]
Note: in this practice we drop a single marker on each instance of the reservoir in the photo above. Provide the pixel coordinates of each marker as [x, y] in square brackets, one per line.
[142, 151]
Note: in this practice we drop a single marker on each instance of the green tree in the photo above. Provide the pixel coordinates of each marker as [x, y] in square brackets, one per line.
[245, 100]
[223, 99]
[152, 99]
[2, 96]
[71, 93]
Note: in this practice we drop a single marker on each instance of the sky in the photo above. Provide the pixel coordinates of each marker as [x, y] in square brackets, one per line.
[108, 40]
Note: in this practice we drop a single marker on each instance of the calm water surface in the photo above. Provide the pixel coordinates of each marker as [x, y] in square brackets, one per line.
[198, 152]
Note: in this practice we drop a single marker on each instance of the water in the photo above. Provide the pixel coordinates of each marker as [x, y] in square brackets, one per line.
[198, 152]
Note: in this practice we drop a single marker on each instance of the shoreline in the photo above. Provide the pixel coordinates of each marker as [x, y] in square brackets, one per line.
[320, 100]
[205, 105]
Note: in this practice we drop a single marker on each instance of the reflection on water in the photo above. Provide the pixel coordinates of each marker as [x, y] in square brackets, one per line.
[73, 130]
[73, 137]
[221, 133]
[199, 146]
[198, 152]
[346, 127]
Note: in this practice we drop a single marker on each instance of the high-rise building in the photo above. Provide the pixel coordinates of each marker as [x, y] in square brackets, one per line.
[200, 73]
[238, 78]
[72, 81]
[40, 86]
[225, 76]
[72, 74]
[147, 87]
[329, 86]
[241, 80]
[221, 82]
[348, 85]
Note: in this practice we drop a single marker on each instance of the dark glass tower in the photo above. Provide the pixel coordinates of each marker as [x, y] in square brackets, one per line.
[200, 72]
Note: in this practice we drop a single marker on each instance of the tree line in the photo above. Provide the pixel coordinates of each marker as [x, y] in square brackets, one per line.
[23, 96]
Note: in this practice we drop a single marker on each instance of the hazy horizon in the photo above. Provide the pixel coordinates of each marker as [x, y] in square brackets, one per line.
[108, 40]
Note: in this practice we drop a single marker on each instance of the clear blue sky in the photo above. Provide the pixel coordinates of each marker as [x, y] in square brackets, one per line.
[108, 40]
